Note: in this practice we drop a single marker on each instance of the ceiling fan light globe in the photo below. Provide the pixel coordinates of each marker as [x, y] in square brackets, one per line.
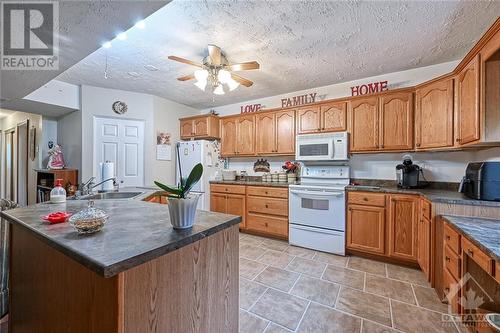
[201, 75]
[219, 90]
[202, 84]
[232, 84]
[224, 76]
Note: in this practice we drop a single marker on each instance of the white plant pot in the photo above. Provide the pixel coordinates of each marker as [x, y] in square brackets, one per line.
[183, 211]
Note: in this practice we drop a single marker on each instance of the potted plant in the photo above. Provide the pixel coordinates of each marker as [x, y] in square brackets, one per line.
[181, 203]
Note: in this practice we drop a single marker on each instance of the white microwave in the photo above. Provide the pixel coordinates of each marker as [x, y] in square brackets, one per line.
[322, 147]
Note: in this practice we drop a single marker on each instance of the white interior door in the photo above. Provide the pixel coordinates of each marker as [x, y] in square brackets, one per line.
[120, 141]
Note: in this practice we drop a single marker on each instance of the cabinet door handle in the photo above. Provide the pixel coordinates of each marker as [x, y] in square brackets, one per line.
[470, 252]
[267, 206]
[448, 259]
[365, 199]
[418, 144]
[448, 237]
[457, 140]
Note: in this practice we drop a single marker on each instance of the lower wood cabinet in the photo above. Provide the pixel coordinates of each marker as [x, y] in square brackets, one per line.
[403, 218]
[228, 199]
[366, 229]
[267, 211]
[424, 232]
[264, 210]
[383, 225]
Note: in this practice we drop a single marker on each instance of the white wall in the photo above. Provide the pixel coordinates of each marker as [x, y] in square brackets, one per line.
[157, 114]
[166, 115]
[439, 166]
[396, 80]
[49, 133]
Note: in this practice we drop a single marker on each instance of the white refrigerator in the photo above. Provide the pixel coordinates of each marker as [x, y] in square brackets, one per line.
[204, 152]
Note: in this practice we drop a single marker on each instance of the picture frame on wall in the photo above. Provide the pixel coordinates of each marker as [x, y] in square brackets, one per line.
[32, 143]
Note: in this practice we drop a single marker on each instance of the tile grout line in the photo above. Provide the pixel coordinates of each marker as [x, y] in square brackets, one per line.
[361, 326]
[390, 311]
[258, 299]
[296, 281]
[364, 282]
[415, 295]
[302, 317]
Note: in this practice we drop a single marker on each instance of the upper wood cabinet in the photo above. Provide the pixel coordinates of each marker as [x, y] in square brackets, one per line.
[308, 119]
[403, 219]
[228, 136]
[396, 121]
[238, 135]
[245, 135]
[199, 127]
[434, 115]
[364, 124]
[467, 89]
[285, 132]
[333, 117]
[275, 133]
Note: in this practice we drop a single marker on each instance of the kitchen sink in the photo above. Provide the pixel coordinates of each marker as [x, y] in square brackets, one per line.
[110, 195]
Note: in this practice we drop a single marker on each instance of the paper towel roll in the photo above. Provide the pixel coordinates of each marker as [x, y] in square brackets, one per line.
[107, 171]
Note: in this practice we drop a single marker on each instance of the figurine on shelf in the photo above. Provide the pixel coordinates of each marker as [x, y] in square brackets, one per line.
[56, 158]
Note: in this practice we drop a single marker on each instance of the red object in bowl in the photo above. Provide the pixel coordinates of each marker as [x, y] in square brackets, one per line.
[57, 217]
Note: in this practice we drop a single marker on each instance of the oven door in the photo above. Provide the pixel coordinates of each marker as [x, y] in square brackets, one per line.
[317, 208]
[314, 150]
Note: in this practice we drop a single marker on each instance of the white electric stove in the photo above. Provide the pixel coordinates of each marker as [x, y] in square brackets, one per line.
[317, 208]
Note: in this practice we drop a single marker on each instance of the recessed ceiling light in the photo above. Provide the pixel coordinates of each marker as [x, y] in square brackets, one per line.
[151, 68]
[133, 74]
[121, 36]
[140, 24]
[106, 45]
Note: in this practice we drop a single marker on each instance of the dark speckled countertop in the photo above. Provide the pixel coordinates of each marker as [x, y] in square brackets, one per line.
[136, 232]
[484, 233]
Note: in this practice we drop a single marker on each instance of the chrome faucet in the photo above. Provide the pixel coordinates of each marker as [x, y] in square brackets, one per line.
[87, 187]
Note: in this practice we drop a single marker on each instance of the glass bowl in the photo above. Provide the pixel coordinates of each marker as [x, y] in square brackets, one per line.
[89, 220]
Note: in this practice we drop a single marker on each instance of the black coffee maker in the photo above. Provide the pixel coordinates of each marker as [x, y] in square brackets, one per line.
[407, 174]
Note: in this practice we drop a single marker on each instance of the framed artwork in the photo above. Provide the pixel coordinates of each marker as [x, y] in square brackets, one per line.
[32, 143]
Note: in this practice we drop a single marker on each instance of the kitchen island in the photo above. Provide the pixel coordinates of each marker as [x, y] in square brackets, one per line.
[136, 275]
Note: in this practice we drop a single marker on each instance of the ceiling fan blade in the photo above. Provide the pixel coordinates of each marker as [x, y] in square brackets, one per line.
[241, 80]
[185, 61]
[186, 77]
[244, 66]
[215, 55]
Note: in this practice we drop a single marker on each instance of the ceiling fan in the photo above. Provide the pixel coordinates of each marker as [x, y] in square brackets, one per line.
[217, 71]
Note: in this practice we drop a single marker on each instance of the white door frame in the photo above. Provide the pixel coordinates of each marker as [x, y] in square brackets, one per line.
[95, 171]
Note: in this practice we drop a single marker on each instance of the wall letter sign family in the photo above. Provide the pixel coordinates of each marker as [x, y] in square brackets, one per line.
[298, 100]
[370, 88]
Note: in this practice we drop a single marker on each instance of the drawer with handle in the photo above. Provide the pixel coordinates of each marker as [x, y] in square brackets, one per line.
[481, 258]
[267, 224]
[367, 199]
[268, 191]
[452, 238]
[270, 206]
[233, 189]
[452, 262]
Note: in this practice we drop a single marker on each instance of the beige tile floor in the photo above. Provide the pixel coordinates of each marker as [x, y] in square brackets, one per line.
[290, 289]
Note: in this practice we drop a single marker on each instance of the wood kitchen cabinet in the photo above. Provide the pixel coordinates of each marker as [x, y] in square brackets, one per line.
[364, 124]
[267, 211]
[199, 127]
[238, 136]
[308, 119]
[275, 133]
[434, 115]
[403, 219]
[424, 231]
[396, 121]
[333, 117]
[228, 199]
[467, 88]
[366, 229]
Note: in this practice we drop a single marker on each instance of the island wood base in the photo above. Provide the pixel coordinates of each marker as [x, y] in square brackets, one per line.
[193, 289]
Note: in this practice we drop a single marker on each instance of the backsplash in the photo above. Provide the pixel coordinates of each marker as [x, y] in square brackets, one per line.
[438, 166]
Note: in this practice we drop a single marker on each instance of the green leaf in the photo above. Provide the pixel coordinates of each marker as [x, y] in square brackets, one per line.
[193, 178]
[174, 191]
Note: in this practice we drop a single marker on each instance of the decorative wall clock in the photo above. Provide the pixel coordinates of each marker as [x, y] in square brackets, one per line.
[119, 107]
